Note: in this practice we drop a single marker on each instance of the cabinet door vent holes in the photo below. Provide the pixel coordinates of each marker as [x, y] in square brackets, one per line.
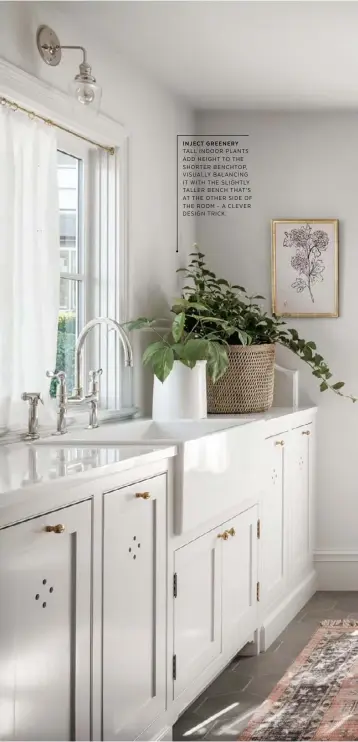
[133, 547]
[50, 590]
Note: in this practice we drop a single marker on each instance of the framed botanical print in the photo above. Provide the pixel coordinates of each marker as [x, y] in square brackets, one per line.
[305, 267]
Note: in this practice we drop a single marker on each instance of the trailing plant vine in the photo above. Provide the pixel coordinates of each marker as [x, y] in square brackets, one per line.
[235, 318]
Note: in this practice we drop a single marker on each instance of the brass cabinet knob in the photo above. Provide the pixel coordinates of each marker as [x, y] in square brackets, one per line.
[306, 432]
[232, 531]
[279, 443]
[59, 528]
[142, 495]
[224, 535]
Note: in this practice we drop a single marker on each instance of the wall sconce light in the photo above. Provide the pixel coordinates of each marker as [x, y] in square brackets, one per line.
[84, 86]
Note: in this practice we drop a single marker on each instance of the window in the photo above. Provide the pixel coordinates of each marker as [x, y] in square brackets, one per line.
[71, 197]
[93, 271]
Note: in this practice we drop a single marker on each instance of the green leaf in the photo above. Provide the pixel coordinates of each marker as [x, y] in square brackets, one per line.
[186, 304]
[195, 349]
[317, 373]
[317, 359]
[178, 326]
[162, 362]
[238, 288]
[217, 361]
[140, 323]
[311, 344]
[294, 334]
[323, 386]
[179, 355]
[338, 385]
[243, 337]
[258, 296]
[151, 350]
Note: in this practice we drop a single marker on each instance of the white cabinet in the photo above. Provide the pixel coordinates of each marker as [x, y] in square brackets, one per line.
[299, 486]
[286, 516]
[239, 580]
[45, 620]
[134, 608]
[215, 602]
[197, 608]
[274, 521]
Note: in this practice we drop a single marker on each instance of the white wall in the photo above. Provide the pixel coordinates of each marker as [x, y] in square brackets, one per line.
[303, 165]
[152, 117]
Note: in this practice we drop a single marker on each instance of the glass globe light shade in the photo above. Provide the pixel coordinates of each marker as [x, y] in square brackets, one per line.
[85, 88]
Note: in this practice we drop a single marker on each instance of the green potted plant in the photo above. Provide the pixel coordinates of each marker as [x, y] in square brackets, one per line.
[181, 359]
[248, 335]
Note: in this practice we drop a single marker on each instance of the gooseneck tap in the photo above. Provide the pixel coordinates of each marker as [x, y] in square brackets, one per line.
[92, 397]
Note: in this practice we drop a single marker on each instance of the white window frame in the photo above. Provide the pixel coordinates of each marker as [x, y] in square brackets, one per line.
[81, 151]
[32, 93]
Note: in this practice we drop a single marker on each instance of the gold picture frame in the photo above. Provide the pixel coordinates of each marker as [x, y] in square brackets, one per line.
[304, 267]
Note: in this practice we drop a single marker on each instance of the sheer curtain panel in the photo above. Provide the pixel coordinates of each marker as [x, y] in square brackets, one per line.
[29, 263]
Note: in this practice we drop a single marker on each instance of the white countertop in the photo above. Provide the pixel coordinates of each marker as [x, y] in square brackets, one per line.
[147, 431]
[27, 468]
[82, 456]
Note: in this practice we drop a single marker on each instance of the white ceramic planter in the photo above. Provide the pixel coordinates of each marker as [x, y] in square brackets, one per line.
[182, 395]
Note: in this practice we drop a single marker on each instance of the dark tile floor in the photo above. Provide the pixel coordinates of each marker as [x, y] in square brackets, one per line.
[247, 681]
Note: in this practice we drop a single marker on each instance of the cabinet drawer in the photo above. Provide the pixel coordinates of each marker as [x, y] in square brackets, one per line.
[45, 620]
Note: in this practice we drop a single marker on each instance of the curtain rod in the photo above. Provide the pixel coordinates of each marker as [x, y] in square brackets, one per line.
[33, 115]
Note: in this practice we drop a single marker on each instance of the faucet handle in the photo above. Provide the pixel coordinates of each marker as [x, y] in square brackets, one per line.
[61, 376]
[94, 380]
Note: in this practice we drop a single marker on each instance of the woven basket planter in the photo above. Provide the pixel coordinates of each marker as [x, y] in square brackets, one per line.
[247, 385]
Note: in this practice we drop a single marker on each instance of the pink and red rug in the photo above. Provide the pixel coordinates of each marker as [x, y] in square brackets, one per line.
[317, 698]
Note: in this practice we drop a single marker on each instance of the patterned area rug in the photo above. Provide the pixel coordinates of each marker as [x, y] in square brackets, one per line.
[317, 698]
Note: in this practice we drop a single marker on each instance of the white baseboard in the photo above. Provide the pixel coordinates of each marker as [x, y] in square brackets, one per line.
[336, 570]
[277, 621]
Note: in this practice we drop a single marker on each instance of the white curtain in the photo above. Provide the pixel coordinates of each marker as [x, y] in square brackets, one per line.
[29, 263]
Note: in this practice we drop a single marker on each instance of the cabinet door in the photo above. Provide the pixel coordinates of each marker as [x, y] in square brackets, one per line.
[197, 608]
[134, 608]
[45, 619]
[299, 474]
[239, 580]
[274, 521]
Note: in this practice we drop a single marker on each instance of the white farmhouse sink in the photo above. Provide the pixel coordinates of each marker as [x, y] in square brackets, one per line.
[144, 431]
[212, 470]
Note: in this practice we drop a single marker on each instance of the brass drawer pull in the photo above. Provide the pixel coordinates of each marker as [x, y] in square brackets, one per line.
[232, 531]
[279, 443]
[224, 535]
[142, 495]
[306, 432]
[59, 528]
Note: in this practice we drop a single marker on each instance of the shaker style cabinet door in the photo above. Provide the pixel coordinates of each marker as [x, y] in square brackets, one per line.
[239, 579]
[274, 520]
[134, 608]
[45, 620]
[197, 608]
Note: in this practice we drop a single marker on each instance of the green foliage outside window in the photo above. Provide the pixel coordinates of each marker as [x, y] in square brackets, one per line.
[66, 342]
